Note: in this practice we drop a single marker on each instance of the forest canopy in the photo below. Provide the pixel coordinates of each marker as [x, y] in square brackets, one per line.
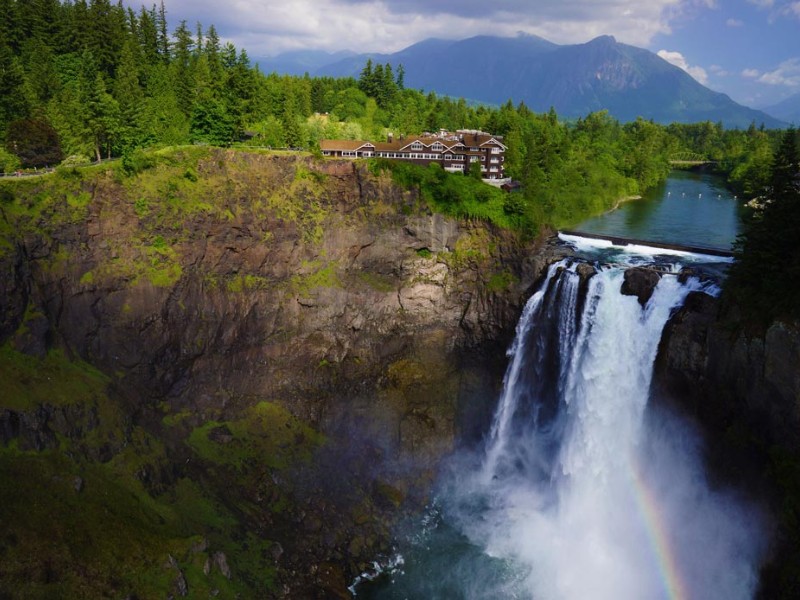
[90, 79]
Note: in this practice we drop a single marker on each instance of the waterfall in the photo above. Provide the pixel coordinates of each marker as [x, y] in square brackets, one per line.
[580, 491]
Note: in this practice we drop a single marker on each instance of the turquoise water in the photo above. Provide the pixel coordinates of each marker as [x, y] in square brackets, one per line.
[690, 208]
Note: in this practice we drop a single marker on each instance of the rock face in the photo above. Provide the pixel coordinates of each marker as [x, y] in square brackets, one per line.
[726, 374]
[640, 282]
[314, 286]
[742, 385]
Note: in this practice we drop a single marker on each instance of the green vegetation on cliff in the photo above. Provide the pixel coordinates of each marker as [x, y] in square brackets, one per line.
[765, 280]
[88, 506]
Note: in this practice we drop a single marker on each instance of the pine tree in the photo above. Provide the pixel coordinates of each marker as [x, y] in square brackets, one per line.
[13, 101]
[366, 81]
[182, 68]
[163, 35]
[214, 61]
[148, 36]
[42, 78]
[129, 96]
[104, 118]
[10, 34]
[766, 275]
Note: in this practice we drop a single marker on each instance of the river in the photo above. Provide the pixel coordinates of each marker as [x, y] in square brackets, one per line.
[691, 208]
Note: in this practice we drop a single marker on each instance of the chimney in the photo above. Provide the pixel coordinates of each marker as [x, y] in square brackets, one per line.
[390, 137]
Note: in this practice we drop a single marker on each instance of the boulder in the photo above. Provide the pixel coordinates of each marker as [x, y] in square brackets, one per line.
[640, 282]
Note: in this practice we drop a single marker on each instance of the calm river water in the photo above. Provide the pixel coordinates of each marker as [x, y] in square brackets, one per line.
[690, 208]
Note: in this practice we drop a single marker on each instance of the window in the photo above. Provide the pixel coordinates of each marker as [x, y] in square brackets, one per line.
[448, 157]
[416, 146]
[437, 146]
[348, 153]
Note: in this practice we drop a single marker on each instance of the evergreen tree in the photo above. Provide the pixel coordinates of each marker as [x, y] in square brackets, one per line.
[10, 34]
[212, 49]
[163, 35]
[129, 96]
[13, 102]
[104, 118]
[182, 68]
[105, 34]
[148, 36]
[42, 78]
[766, 275]
[366, 81]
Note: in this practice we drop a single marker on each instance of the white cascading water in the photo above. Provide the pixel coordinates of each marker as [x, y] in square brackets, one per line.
[577, 490]
[581, 493]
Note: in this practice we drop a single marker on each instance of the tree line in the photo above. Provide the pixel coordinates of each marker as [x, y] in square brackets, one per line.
[87, 79]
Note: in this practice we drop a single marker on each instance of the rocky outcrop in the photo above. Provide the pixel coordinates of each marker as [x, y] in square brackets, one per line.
[314, 286]
[725, 373]
[640, 282]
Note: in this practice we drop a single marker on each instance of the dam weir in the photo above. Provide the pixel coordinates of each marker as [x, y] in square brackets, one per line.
[582, 489]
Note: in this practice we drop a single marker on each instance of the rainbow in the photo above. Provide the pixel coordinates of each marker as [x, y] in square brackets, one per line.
[656, 528]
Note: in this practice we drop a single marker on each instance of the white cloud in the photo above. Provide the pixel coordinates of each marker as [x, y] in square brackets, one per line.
[718, 71]
[750, 73]
[779, 8]
[267, 27]
[734, 23]
[787, 74]
[677, 59]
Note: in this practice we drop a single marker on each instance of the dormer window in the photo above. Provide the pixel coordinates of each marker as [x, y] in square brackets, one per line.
[416, 146]
[438, 146]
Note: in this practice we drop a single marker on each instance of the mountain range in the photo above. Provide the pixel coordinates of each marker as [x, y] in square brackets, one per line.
[788, 109]
[574, 79]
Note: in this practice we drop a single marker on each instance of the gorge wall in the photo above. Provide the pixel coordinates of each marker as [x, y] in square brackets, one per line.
[741, 383]
[269, 354]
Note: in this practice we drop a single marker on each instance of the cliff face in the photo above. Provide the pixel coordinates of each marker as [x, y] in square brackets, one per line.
[725, 373]
[743, 388]
[301, 341]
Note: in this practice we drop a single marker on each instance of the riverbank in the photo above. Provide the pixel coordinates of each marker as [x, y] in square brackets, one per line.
[690, 208]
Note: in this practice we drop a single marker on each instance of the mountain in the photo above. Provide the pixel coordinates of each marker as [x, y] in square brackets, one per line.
[788, 109]
[299, 62]
[574, 79]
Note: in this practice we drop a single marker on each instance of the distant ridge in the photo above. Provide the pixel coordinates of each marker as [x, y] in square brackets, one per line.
[574, 79]
[787, 110]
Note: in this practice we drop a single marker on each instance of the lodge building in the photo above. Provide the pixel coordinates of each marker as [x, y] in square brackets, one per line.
[453, 151]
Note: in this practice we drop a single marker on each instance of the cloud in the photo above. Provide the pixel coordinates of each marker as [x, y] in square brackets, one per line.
[677, 59]
[718, 71]
[734, 23]
[779, 8]
[266, 27]
[787, 74]
[751, 73]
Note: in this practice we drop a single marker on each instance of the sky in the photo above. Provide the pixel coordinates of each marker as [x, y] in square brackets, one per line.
[748, 49]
